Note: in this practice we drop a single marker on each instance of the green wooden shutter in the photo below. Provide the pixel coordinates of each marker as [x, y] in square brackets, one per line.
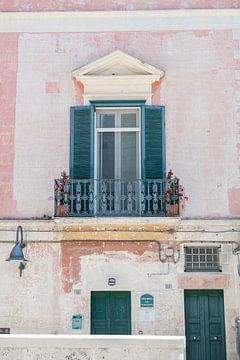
[154, 163]
[81, 143]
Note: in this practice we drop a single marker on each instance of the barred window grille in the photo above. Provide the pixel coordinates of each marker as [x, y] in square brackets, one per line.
[204, 258]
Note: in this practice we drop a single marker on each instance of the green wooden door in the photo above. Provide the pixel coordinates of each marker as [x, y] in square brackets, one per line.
[205, 329]
[111, 312]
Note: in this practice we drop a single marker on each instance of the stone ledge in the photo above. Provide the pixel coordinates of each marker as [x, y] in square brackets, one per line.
[121, 229]
[91, 341]
[109, 21]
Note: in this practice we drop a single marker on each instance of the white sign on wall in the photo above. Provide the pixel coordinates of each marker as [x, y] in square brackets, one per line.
[146, 314]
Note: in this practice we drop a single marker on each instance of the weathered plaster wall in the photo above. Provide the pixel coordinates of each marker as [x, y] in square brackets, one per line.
[63, 271]
[8, 82]
[199, 92]
[108, 5]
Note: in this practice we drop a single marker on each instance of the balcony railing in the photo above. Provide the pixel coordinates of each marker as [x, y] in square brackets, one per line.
[114, 198]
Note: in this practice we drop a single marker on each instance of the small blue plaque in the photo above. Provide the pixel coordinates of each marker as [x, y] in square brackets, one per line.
[77, 322]
[147, 300]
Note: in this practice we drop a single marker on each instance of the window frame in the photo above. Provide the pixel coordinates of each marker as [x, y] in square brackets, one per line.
[92, 107]
[136, 130]
[217, 268]
[119, 104]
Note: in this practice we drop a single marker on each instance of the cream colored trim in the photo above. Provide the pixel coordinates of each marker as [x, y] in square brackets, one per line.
[104, 21]
[108, 96]
[117, 57]
[117, 76]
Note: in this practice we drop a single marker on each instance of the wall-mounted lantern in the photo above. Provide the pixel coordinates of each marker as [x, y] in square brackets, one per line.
[17, 251]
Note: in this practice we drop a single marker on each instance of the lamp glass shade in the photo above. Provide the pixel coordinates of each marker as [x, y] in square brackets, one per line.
[16, 253]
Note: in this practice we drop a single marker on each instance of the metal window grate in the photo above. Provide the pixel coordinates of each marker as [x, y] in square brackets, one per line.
[204, 258]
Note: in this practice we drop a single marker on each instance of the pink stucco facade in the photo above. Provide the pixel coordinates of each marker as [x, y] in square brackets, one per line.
[198, 90]
[8, 83]
[193, 59]
[103, 5]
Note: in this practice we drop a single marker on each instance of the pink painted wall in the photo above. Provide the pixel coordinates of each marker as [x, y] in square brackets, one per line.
[108, 5]
[8, 74]
[198, 91]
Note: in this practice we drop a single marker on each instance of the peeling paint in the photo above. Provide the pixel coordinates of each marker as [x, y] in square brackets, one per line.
[116, 228]
[206, 281]
[8, 80]
[234, 201]
[116, 236]
[72, 253]
[201, 33]
[52, 87]
[79, 90]
[123, 233]
[156, 93]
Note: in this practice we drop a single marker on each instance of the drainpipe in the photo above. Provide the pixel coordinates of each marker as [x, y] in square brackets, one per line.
[237, 320]
[236, 251]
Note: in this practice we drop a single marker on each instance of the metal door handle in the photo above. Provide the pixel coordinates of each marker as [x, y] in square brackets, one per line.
[194, 338]
[215, 338]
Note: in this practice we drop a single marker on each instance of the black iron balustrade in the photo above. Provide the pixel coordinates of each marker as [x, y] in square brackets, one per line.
[91, 197]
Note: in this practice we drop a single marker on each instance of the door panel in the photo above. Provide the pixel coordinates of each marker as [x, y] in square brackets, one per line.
[111, 312]
[216, 328]
[100, 313]
[205, 331]
[195, 326]
[120, 316]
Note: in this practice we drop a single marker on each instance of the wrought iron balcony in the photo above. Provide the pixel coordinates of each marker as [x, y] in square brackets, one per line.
[109, 197]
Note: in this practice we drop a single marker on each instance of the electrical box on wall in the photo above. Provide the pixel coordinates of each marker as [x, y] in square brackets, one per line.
[77, 322]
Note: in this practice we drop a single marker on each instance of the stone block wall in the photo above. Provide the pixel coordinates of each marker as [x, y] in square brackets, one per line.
[47, 347]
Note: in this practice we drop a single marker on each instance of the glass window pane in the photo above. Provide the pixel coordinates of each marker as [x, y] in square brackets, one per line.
[129, 120]
[106, 121]
[129, 155]
[106, 155]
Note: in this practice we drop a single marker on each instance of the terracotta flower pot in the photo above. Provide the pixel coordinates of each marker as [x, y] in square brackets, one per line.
[173, 210]
[60, 210]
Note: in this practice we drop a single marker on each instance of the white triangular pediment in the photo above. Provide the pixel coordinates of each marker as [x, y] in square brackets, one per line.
[117, 76]
[117, 68]
[117, 63]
